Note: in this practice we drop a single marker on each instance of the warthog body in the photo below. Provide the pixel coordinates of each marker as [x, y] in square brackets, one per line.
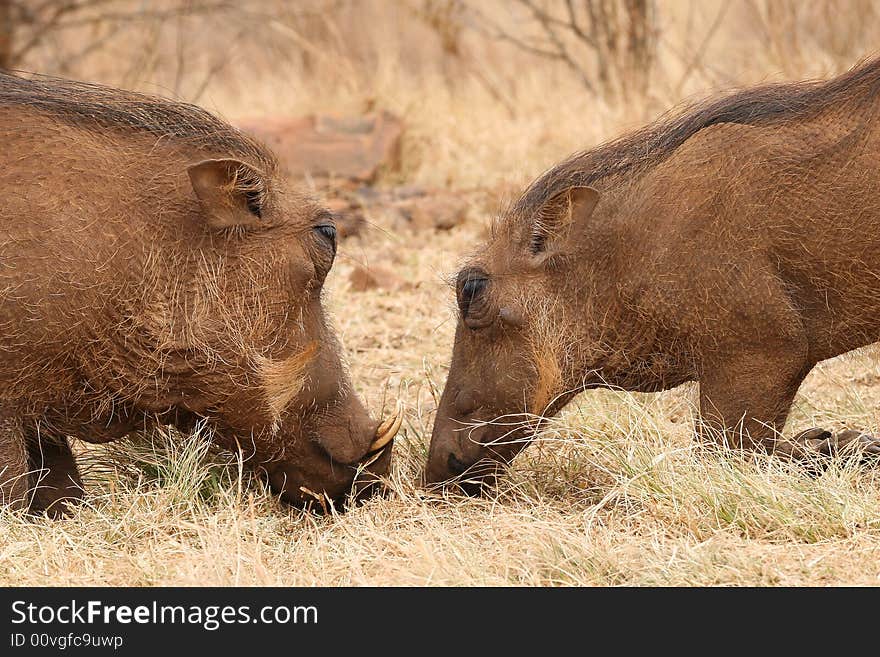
[736, 243]
[154, 267]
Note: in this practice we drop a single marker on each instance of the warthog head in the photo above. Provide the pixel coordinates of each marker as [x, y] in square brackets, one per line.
[276, 385]
[512, 361]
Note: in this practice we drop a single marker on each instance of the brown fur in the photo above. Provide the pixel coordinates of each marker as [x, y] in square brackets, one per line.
[736, 243]
[283, 379]
[155, 267]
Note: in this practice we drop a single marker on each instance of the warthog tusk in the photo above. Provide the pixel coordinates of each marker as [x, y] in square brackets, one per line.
[387, 430]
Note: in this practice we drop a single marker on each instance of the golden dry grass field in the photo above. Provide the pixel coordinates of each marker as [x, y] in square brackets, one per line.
[614, 492]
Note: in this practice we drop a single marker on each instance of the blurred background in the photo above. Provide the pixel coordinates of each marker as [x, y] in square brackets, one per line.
[488, 91]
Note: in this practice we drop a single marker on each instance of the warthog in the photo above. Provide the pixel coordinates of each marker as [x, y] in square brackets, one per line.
[736, 243]
[155, 267]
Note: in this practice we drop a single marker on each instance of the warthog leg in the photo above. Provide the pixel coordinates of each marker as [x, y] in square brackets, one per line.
[14, 480]
[745, 400]
[55, 479]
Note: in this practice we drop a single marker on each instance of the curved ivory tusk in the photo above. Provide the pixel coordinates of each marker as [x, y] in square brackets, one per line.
[387, 430]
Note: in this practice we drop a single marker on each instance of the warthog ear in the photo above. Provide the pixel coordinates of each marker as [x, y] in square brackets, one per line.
[557, 215]
[231, 192]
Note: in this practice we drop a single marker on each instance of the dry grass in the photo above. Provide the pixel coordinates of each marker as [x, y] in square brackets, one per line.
[614, 492]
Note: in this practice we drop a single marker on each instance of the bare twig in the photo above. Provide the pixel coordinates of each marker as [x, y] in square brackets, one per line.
[446, 20]
[608, 44]
[575, 26]
[549, 25]
[701, 49]
[40, 33]
[72, 59]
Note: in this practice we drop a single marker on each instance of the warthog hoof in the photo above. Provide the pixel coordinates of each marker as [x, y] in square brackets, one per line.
[847, 442]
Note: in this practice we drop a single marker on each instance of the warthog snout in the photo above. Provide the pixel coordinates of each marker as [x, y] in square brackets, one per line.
[467, 453]
[345, 458]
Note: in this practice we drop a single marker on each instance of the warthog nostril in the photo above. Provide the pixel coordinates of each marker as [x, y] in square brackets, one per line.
[455, 465]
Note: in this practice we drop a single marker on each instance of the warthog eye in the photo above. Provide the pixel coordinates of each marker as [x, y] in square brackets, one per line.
[471, 284]
[327, 232]
[470, 291]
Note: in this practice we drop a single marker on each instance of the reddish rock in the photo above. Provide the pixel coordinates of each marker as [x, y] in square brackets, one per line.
[351, 147]
[375, 278]
[439, 211]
